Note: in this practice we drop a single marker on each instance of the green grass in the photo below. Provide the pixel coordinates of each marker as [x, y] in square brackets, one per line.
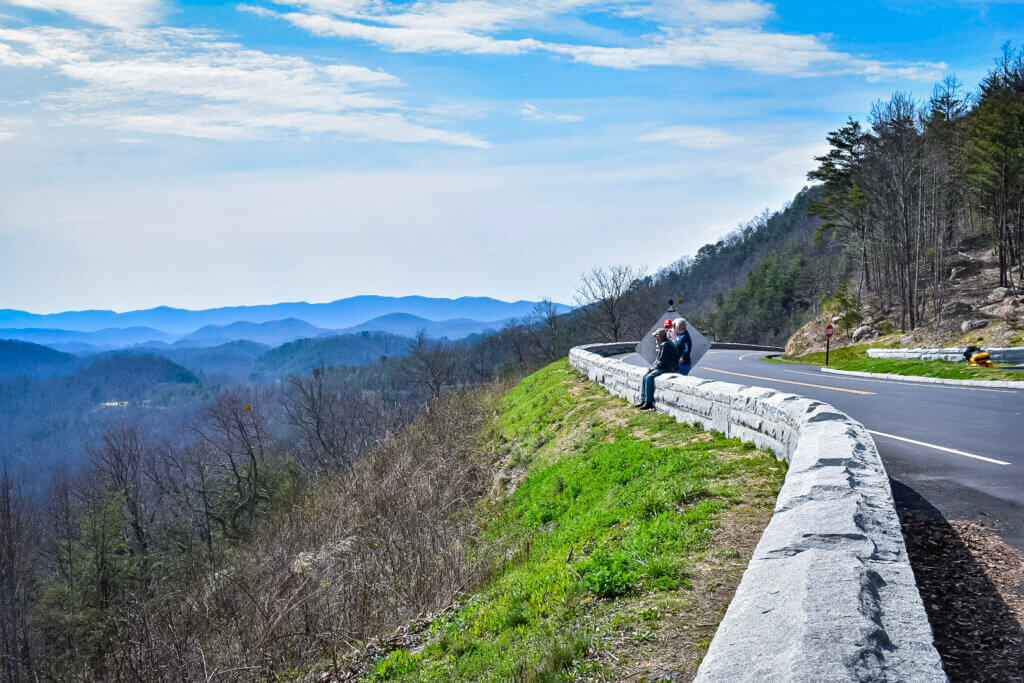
[614, 504]
[855, 357]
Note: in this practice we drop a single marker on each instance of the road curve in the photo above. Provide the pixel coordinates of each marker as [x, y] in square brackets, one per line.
[961, 449]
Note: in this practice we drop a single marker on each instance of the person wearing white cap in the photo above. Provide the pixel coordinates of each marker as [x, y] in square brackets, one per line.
[684, 344]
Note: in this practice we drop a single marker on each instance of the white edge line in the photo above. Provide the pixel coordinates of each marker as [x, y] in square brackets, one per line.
[939, 448]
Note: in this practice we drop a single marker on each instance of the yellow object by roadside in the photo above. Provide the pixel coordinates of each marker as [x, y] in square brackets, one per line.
[982, 359]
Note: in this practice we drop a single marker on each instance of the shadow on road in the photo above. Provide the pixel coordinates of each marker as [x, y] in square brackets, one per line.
[977, 634]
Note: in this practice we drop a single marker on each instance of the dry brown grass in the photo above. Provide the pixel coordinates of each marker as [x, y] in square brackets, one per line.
[370, 549]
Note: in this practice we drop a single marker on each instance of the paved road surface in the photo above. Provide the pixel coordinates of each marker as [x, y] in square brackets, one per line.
[960, 449]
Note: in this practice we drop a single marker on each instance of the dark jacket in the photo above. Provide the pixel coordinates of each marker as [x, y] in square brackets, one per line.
[668, 358]
[684, 345]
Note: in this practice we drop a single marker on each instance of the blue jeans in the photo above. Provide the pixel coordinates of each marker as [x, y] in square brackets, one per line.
[647, 388]
[684, 368]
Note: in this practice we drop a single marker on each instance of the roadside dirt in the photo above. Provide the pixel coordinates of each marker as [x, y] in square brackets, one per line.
[972, 585]
[669, 633]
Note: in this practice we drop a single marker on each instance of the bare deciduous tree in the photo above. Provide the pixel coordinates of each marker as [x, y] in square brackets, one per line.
[609, 301]
[20, 556]
[547, 329]
[431, 363]
[335, 421]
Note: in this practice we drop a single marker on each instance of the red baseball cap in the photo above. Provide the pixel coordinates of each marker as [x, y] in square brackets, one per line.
[668, 322]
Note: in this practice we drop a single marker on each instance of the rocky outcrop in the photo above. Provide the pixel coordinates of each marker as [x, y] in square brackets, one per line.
[998, 294]
[829, 593]
[968, 325]
[956, 309]
[864, 333]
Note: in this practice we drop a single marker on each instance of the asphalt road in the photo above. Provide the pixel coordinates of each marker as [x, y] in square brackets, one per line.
[960, 449]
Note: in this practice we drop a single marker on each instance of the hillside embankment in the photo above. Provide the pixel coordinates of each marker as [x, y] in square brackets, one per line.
[975, 311]
[829, 593]
[620, 537]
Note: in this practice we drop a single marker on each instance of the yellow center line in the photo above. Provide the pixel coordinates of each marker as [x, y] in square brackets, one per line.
[786, 381]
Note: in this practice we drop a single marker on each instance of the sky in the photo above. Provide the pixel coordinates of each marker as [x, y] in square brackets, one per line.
[199, 154]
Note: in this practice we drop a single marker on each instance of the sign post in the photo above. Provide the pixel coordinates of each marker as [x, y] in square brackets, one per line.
[829, 330]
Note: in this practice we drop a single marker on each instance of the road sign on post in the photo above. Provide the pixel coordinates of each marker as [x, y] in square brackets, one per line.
[829, 331]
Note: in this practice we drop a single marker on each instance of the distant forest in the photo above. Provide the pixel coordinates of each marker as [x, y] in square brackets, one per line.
[154, 517]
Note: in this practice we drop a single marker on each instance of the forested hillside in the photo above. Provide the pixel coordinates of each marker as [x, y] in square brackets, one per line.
[760, 283]
[718, 268]
[18, 358]
[923, 181]
[302, 356]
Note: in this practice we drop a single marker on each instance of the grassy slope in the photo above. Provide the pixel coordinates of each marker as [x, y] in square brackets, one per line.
[855, 357]
[627, 534]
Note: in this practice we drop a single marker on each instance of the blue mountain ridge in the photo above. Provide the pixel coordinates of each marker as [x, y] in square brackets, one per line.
[338, 314]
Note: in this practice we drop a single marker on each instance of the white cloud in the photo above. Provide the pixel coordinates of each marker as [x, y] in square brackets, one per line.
[690, 12]
[532, 112]
[750, 49]
[8, 128]
[683, 33]
[117, 13]
[409, 38]
[695, 137]
[238, 123]
[192, 83]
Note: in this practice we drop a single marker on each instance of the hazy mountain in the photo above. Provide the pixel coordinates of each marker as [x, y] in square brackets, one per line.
[408, 325]
[18, 358]
[334, 315]
[302, 356]
[272, 333]
[46, 422]
[131, 375]
[231, 362]
[78, 342]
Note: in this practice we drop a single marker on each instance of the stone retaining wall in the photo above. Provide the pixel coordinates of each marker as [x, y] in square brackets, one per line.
[829, 593]
[1013, 354]
[981, 383]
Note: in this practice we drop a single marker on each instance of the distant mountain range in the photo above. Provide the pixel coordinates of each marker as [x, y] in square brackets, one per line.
[271, 333]
[235, 361]
[408, 325]
[335, 315]
[160, 329]
[75, 341]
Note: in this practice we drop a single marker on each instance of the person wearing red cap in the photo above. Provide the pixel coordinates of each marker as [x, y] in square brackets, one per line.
[680, 336]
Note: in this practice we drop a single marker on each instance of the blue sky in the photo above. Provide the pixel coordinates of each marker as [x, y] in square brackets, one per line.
[200, 154]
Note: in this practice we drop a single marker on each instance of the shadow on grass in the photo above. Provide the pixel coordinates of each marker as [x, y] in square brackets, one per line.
[976, 633]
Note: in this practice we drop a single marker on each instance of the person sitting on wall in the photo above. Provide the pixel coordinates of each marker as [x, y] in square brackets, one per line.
[667, 361]
[684, 345]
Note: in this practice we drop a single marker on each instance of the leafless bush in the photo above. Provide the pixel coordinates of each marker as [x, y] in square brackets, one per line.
[431, 363]
[371, 547]
[334, 421]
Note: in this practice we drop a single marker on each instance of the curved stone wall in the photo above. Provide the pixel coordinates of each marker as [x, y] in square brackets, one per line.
[829, 593]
